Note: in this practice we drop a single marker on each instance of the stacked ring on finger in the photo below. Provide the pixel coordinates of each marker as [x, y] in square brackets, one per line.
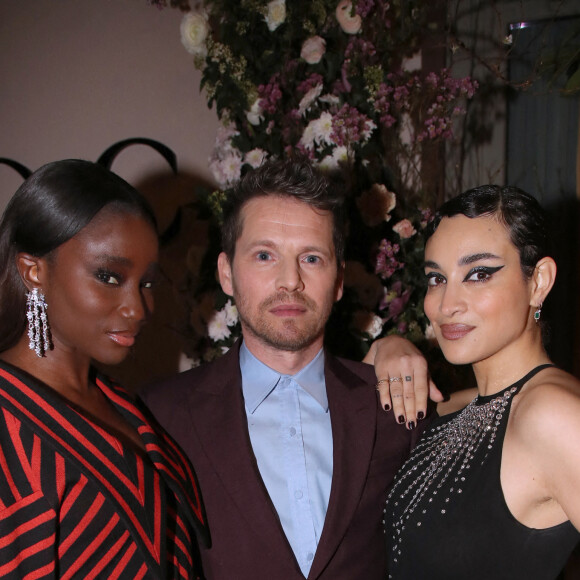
[395, 380]
[380, 382]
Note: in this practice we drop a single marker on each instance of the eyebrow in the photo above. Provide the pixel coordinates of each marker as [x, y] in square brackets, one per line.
[109, 259]
[477, 257]
[466, 260]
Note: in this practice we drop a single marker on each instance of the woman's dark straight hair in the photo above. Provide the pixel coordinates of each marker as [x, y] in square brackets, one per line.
[53, 205]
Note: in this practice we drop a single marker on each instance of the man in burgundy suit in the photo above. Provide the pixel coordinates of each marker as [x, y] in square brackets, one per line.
[293, 454]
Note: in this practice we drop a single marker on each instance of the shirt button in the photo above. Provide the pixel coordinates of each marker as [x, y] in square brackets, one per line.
[298, 494]
[310, 555]
[292, 431]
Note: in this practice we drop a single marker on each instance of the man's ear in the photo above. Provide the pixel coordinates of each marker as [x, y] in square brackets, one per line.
[31, 269]
[225, 274]
[543, 279]
[339, 282]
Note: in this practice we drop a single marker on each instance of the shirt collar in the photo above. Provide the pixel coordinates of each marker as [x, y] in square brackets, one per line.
[259, 380]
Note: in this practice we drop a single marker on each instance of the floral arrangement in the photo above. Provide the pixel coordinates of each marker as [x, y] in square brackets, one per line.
[342, 83]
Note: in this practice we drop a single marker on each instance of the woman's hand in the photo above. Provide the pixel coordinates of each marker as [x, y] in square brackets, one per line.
[403, 379]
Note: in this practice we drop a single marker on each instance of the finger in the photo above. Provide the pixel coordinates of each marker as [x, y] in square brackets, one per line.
[383, 390]
[420, 387]
[397, 398]
[409, 400]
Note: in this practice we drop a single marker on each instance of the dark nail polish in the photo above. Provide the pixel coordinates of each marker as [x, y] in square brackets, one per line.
[411, 425]
[387, 407]
[401, 419]
[420, 415]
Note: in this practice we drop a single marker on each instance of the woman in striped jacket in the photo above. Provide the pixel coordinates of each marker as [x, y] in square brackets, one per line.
[90, 486]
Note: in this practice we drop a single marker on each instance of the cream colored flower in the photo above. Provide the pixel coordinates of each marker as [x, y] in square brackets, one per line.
[255, 157]
[318, 131]
[376, 204]
[255, 114]
[275, 14]
[309, 98]
[313, 49]
[217, 327]
[368, 323]
[194, 30]
[323, 129]
[349, 20]
[231, 313]
[405, 229]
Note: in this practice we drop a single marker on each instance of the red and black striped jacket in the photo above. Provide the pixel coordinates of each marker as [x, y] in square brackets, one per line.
[75, 502]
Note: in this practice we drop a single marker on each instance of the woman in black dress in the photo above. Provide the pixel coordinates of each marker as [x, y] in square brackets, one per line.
[491, 491]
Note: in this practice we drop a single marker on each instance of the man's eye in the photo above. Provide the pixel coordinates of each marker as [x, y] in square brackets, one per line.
[312, 259]
[263, 256]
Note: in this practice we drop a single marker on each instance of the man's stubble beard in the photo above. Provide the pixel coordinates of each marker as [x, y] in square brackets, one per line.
[290, 336]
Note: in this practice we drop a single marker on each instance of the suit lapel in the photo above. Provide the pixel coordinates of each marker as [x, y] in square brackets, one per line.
[352, 405]
[222, 430]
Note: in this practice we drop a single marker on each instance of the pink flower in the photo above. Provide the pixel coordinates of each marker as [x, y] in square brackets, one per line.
[376, 204]
[349, 20]
[386, 262]
[404, 228]
[395, 301]
[313, 49]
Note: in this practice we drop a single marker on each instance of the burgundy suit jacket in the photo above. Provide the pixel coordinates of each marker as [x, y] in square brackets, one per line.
[203, 410]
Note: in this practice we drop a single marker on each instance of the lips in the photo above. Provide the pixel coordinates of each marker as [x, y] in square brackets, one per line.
[122, 338]
[288, 310]
[455, 331]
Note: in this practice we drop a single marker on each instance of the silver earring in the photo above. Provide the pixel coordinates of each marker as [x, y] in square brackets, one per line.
[538, 313]
[38, 330]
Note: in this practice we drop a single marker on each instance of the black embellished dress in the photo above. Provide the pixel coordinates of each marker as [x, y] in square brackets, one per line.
[446, 517]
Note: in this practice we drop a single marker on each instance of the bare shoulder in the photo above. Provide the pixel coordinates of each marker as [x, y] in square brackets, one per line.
[547, 409]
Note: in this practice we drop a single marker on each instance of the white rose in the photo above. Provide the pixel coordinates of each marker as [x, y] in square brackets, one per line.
[313, 49]
[194, 30]
[349, 20]
[275, 14]
[368, 322]
[254, 115]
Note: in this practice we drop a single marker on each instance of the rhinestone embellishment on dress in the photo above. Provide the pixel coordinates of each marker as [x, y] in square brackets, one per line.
[443, 455]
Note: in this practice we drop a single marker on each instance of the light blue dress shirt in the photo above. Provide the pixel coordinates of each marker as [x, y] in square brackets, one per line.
[291, 436]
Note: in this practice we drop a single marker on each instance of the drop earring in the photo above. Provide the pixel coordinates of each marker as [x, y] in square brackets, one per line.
[538, 313]
[38, 330]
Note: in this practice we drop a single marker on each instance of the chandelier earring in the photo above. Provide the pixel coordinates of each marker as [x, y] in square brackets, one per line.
[538, 313]
[39, 339]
